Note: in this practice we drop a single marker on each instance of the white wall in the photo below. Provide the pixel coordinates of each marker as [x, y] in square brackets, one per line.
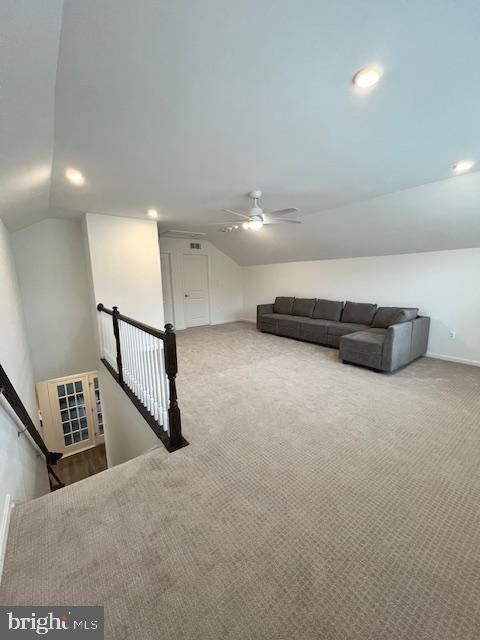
[124, 270]
[443, 284]
[225, 281]
[127, 435]
[125, 266]
[23, 473]
[52, 271]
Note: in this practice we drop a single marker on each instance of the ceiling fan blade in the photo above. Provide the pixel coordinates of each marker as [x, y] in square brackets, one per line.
[283, 212]
[236, 213]
[287, 220]
[228, 223]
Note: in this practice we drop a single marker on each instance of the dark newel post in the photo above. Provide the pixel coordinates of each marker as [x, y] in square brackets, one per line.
[116, 332]
[171, 368]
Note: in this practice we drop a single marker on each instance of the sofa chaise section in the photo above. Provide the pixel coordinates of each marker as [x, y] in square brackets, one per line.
[387, 349]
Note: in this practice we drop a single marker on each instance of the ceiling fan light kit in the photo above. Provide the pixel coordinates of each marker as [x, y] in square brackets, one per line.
[255, 218]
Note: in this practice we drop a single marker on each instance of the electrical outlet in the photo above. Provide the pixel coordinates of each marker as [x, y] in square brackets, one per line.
[452, 335]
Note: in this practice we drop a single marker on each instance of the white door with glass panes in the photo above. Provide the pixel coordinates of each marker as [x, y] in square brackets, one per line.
[71, 412]
[97, 413]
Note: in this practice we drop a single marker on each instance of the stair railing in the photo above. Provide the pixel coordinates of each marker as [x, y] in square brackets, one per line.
[51, 457]
[143, 360]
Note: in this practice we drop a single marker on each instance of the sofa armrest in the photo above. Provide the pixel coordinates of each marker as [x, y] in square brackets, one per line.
[421, 328]
[262, 309]
[396, 346]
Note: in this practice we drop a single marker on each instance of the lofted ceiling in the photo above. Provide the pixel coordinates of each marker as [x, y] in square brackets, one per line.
[186, 106]
[29, 41]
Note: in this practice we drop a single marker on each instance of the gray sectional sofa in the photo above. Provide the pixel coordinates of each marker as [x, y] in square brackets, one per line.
[382, 338]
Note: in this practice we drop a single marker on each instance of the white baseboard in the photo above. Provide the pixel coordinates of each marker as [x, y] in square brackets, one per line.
[227, 321]
[440, 356]
[217, 322]
[4, 525]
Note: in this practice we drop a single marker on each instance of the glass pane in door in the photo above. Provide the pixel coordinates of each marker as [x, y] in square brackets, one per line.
[98, 406]
[71, 402]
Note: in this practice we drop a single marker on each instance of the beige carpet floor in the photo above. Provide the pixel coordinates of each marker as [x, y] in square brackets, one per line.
[315, 501]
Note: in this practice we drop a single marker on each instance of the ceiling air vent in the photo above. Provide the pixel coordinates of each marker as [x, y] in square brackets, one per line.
[195, 245]
[177, 233]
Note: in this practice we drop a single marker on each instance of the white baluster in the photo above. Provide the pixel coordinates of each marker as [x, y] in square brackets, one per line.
[148, 385]
[153, 349]
[138, 390]
[156, 372]
[136, 361]
[131, 358]
[125, 354]
[112, 347]
[148, 354]
[143, 386]
[161, 386]
[164, 382]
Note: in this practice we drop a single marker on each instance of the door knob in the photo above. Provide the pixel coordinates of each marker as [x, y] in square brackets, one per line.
[186, 295]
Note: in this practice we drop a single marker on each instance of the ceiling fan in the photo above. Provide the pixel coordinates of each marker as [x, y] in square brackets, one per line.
[254, 218]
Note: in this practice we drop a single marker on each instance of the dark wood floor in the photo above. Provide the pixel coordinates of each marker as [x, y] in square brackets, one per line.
[82, 465]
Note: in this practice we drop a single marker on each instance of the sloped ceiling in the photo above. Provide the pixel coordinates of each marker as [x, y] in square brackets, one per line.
[29, 41]
[186, 106]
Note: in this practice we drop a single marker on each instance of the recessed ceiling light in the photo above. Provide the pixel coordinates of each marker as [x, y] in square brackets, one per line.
[74, 176]
[463, 165]
[367, 77]
[152, 213]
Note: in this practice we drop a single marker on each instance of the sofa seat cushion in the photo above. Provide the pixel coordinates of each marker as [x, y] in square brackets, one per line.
[363, 342]
[271, 319]
[358, 312]
[283, 305]
[328, 310]
[303, 307]
[343, 328]
[288, 325]
[267, 321]
[282, 324]
[314, 330]
[281, 316]
[386, 316]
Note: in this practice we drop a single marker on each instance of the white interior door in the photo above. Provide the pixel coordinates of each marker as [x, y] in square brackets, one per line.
[195, 274]
[96, 408]
[167, 288]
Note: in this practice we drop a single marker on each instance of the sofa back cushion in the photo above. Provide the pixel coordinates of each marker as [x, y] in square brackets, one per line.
[386, 316]
[283, 305]
[303, 307]
[328, 310]
[406, 314]
[358, 312]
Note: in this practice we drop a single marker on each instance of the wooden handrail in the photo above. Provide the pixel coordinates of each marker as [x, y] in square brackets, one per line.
[11, 396]
[172, 439]
[157, 333]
